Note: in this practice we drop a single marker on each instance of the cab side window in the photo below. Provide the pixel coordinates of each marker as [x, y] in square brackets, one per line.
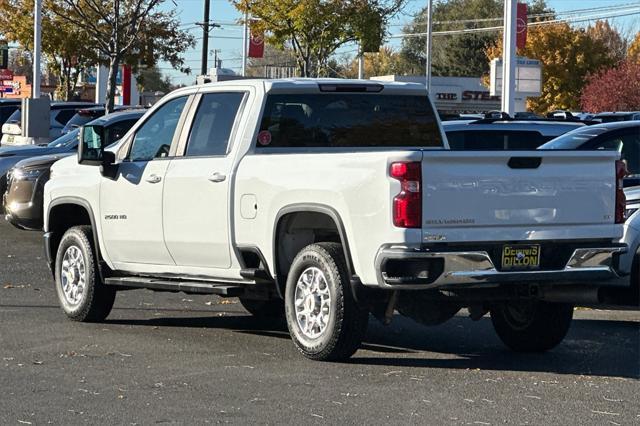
[213, 124]
[153, 139]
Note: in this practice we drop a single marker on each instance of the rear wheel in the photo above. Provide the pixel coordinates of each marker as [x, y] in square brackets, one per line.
[273, 308]
[531, 326]
[82, 295]
[323, 318]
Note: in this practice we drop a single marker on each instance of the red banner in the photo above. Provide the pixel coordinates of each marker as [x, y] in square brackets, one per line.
[521, 26]
[256, 44]
[5, 75]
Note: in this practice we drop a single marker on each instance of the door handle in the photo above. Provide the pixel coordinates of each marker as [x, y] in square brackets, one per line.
[217, 177]
[153, 179]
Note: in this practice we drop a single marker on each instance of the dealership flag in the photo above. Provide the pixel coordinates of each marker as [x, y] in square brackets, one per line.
[521, 26]
[256, 43]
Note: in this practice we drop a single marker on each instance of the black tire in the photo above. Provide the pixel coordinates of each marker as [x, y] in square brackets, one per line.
[531, 326]
[347, 322]
[264, 308]
[97, 299]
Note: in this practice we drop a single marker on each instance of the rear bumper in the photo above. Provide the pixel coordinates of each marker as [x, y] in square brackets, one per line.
[405, 268]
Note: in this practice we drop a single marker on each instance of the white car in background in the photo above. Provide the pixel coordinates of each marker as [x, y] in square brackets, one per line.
[61, 113]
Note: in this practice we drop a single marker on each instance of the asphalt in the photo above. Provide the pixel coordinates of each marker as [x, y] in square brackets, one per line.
[175, 358]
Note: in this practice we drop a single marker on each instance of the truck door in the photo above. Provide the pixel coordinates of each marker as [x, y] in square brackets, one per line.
[196, 191]
[131, 204]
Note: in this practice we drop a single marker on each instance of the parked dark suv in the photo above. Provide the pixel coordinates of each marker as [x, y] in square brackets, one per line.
[23, 202]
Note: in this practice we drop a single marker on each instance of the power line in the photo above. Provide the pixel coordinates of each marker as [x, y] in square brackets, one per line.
[537, 23]
[531, 17]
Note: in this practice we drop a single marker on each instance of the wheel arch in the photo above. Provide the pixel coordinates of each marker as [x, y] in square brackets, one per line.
[57, 224]
[283, 218]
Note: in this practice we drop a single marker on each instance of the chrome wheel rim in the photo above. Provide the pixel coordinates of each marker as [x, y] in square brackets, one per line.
[312, 303]
[73, 275]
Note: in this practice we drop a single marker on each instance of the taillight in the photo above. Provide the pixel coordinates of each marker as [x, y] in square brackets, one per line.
[621, 199]
[407, 205]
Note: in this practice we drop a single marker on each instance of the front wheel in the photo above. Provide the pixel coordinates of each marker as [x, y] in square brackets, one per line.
[82, 295]
[531, 326]
[323, 318]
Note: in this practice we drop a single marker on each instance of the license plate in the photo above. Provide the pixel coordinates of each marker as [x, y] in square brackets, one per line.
[521, 256]
[10, 139]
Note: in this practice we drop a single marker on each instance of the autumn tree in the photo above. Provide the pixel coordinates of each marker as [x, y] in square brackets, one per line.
[614, 89]
[616, 45]
[384, 62]
[315, 29]
[460, 54]
[568, 55]
[127, 31]
[633, 54]
[63, 44]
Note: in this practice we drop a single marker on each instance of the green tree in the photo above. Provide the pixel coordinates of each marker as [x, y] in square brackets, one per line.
[127, 31]
[315, 29]
[150, 79]
[63, 44]
[459, 54]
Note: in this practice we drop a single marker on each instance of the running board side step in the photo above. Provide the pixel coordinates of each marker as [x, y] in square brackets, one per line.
[256, 274]
[192, 287]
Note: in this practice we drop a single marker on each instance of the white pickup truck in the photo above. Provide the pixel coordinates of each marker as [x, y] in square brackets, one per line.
[324, 201]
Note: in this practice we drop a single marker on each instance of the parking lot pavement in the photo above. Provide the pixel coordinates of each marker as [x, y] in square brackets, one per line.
[180, 358]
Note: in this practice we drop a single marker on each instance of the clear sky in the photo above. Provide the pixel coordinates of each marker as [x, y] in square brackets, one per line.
[228, 39]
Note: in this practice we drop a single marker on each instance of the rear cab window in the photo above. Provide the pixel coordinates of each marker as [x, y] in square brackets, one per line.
[348, 120]
[470, 140]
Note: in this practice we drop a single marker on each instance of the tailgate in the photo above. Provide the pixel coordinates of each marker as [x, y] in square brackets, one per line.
[515, 196]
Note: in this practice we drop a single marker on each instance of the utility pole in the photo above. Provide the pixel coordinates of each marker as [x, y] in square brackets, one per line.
[360, 62]
[509, 57]
[245, 30]
[429, 37]
[205, 38]
[37, 49]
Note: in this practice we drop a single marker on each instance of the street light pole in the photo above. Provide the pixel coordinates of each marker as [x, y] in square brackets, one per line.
[37, 50]
[245, 30]
[509, 57]
[205, 38]
[429, 37]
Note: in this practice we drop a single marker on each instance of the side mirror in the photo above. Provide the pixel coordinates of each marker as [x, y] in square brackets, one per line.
[91, 141]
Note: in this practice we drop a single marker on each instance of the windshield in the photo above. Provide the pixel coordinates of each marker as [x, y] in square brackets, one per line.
[80, 119]
[15, 117]
[66, 140]
[575, 138]
[348, 120]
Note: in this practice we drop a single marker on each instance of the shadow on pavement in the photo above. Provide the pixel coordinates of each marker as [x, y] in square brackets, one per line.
[593, 347]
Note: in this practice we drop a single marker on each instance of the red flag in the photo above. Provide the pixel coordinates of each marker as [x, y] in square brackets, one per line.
[256, 44]
[521, 26]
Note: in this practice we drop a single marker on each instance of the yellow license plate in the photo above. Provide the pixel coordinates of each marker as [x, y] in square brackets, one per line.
[10, 139]
[521, 256]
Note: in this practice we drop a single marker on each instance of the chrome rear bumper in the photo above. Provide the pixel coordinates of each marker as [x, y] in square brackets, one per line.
[590, 266]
